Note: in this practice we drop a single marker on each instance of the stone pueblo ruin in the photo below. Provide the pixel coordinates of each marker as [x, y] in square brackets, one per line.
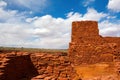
[90, 57]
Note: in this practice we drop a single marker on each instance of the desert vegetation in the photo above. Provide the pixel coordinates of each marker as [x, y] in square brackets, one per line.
[33, 49]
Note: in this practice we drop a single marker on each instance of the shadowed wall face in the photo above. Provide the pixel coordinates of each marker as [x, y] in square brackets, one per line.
[17, 66]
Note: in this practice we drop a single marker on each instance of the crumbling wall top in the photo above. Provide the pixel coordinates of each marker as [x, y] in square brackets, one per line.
[85, 28]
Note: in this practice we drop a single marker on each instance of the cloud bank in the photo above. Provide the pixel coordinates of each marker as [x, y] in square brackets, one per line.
[18, 30]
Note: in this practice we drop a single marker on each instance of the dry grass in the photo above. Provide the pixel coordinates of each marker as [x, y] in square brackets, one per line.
[33, 50]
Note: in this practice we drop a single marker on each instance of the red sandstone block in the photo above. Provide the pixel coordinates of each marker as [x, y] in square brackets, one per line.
[41, 63]
[55, 70]
[41, 71]
[63, 78]
[49, 56]
[5, 64]
[2, 67]
[19, 53]
[40, 76]
[49, 68]
[49, 71]
[25, 54]
[40, 55]
[48, 78]
[63, 74]
[55, 78]
[1, 74]
[85, 28]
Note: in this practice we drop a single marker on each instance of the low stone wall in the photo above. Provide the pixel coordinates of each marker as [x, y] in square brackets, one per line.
[35, 66]
[16, 66]
[53, 67]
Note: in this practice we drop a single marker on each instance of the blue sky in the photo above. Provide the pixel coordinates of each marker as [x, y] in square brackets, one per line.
[47, 23]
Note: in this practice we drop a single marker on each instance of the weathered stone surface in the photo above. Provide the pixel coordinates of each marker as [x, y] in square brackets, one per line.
[15, 66]
[87, 45]
[53, 65]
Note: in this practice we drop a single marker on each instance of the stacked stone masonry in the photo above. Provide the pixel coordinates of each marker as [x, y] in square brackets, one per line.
[16, 66]
[35, 66]
[87, 46]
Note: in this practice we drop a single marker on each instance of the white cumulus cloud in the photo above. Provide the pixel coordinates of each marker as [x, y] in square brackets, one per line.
[108, 28]
[92, 14]
[114, 5]
[3, 4]
[44, 31]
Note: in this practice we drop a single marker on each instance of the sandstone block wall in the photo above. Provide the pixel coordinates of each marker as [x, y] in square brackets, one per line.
[16, 66]
[87, 46]
[53, 67]
[35, 66]
[114, 40]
